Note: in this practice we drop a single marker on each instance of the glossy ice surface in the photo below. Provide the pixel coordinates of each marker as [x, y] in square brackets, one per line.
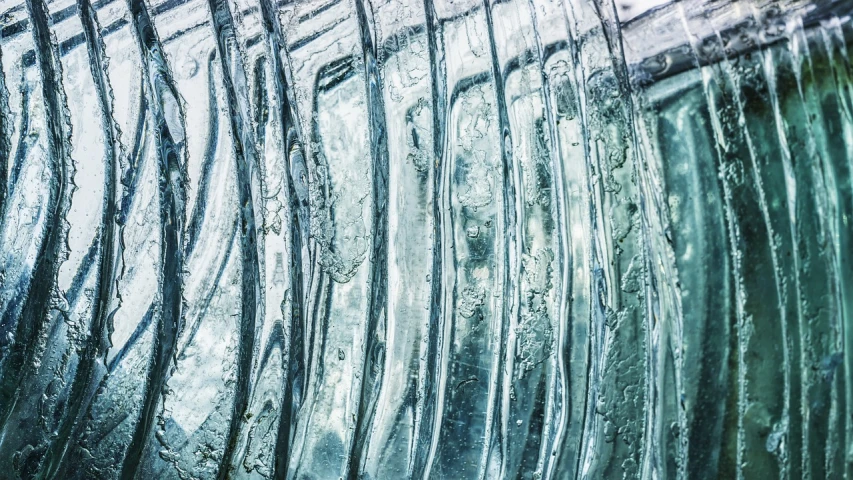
[382, 239]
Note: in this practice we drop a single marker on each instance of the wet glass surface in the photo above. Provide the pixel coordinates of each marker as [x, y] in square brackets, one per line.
[517, 239]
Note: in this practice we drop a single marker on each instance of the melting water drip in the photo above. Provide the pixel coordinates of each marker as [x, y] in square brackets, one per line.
[408, 239]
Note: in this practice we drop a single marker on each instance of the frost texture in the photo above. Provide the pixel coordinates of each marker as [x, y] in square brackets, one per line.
[380, 239]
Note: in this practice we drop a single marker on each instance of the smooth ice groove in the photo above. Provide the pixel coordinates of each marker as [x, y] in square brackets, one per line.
[450, 239]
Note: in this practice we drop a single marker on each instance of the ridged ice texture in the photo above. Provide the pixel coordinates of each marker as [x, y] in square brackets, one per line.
[381, 239]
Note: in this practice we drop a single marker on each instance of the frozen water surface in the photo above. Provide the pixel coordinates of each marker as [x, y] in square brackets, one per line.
[451, 239]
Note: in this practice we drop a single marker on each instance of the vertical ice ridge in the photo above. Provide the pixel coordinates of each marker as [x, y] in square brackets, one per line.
[663, 456]
[431, 381]
[135, 160]
[653, 457]
[236, 87]
[706, 463]
[329, 277]
[756, 177]
[495, 447]
[837, 172]
[832, 422]
[730, 464]
[377, 315]
[297, 238]
[600, 292]
[318, 296]
[21, 149]
[171, 156]
[822, 392]
[34, 317]
[732, 467]
[570, 448]
[836, 49]
[799, 416]
[776, 71]
[5, 141]
[556, 408]
[798, 42]
[199, 212]
[663, 321]
[109, 248]
[617, 390]
[130, 181]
